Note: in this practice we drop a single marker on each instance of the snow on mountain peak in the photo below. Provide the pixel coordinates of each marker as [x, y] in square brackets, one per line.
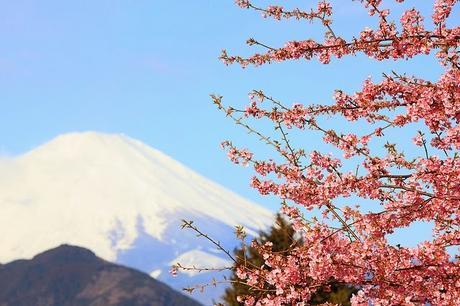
[103, 191]
[195, 258]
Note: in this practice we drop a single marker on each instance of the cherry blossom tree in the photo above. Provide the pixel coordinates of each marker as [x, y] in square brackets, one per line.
[388, 190]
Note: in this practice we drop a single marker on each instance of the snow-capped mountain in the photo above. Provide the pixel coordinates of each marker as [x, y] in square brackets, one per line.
[120, 198]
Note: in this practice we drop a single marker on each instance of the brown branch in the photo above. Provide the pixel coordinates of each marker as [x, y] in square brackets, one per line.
[189, 225]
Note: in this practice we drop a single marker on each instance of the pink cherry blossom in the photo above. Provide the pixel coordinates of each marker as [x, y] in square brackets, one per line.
[385, 189]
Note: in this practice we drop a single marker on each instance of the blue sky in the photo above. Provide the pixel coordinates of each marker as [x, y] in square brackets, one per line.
[146, 69]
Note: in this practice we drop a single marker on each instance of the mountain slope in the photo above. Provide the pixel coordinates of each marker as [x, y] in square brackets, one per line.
[121, 199]
[74, 276]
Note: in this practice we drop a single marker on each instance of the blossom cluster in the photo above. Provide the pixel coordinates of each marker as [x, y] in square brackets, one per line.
[383, 42]
[349, 244]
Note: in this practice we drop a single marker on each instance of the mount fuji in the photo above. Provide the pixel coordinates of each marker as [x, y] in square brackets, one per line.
[122, 199]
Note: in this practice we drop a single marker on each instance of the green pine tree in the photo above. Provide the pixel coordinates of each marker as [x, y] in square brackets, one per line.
[282, 235]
